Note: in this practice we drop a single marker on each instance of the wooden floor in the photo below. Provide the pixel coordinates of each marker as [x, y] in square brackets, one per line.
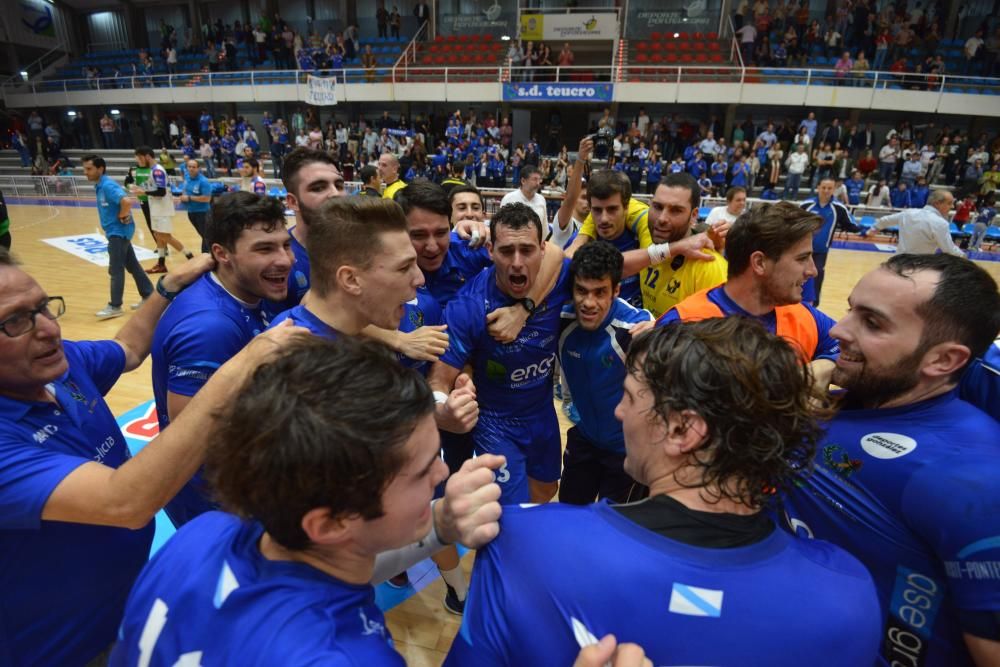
[422, 630]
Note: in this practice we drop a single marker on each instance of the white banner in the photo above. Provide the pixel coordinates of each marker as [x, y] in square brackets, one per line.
[567, 27]
[321, 91]
[93, 248]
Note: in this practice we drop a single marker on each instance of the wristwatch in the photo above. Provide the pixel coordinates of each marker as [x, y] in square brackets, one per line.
[529, 305]
[162, 291]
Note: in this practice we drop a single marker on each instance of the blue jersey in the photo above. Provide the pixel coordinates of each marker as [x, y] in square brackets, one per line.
[676, 167]
[593, 364]
[298, 278]
[911, 491]
[900, 198]
[513, 378]
[854, 189]
[782, 602]
[64, 584]
[654, 172]
[202, 329]
[696, 168]
[741, 174]
[422, 310]
[832, 213]
[302, 317]
[461, 263]
[719, 170]
[109, 197]
[981, 382]
[198, 187]
[210, 597]
[827, 348]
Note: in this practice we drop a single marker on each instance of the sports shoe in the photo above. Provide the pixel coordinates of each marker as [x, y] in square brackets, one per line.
[451, 602]
[401, 580]
[559, 391]
[138, 304]
[571, 412]
[159, 268]
[109, 312]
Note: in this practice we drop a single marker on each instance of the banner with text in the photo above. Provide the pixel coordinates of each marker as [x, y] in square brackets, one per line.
[321, 91]
[568, 27]
[651, 16]
[93, 248]
[558, 92]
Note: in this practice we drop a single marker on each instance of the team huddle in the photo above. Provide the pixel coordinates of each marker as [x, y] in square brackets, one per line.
[748, 481]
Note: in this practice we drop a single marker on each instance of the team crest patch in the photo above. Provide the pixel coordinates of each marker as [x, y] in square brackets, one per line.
[837, 460]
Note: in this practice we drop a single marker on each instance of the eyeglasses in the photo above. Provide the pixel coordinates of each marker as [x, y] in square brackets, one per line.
[17, 325]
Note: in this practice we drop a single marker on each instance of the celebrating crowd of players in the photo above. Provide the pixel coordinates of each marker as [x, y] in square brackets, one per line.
[757, 518]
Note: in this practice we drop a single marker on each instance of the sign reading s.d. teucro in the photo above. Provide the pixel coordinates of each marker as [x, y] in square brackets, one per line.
[321, 91]
[558, 92]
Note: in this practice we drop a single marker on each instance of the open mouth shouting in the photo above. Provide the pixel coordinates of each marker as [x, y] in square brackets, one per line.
[518, 282]
[275, 281]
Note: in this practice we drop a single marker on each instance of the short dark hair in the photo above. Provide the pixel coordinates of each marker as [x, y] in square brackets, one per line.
[347, 231]
[605, 183]
[95, 160]
[421, 193]
[459, 189]
[768, 228]
[597, 259]
[252, 161]
[752, 392]
[367, 173]
[235, 211]
[733, 191]
[296, 160]
[144, 150]
[687, 181]
[515, 216]
[965, 306]
[322, 426]
[527, 171]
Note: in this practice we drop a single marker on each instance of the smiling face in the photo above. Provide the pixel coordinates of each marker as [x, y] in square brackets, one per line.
[467, 206]
[430, 236]
[782, 280]
[644, 431]
[32, 360]
[517, 256]
[258, 266]
[880, 336]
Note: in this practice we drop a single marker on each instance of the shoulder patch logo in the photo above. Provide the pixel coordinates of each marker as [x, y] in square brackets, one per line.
[887, 445]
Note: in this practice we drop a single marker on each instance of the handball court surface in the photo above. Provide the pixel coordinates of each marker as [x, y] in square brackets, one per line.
[422, 631]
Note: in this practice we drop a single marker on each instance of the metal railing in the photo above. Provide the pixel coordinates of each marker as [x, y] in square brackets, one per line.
[39, 64]
[413, 72]
[409, 54]
[52, 188]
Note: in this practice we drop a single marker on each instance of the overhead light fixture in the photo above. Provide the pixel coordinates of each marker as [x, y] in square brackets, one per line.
[71, 114]
[115, 112]
[677, 35]
[505, 38]
[24, 75]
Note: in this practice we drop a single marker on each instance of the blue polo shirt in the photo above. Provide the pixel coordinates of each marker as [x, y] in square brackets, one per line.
[198, 187]
[301, 317]
[461, 263]
[64, 585]
[109, 197]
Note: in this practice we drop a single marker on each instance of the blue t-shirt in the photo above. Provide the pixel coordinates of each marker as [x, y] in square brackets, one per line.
[461, 263]
[512, 379]
[536, 596]
[827, 348]
[209, 597]
[919, 195]
[854, 188]
[422, 310]
[64, 584]
[298, 278]
[719, 170]
[900, 198]
[198, 187]
[302, 317]
[740, 173]
[202, 329]
[109, 197]
[593, 364]
[981, 382]
[912, 492]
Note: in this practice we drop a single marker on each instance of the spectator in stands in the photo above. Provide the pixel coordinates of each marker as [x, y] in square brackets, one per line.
[529, 60]
[971, 52]
[566, 59]
[878, 195]
[382, 19]
[395, 22]
[527, 193]
[369, 62]
[912, 169]
[796, 163]
[747, 36]
[108, 131]
[888, 155]
[900, 197]
[736, 203]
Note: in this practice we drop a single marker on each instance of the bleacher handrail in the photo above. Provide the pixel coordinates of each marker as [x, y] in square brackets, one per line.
[404, 57]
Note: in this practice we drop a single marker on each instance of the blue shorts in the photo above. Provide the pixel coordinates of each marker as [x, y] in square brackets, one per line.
[532, 446]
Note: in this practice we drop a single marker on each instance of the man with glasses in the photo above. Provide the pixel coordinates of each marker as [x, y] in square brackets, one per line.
[76, 508]
[115, 210]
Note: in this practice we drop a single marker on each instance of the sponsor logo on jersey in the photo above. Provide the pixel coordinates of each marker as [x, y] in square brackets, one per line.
[837, 460]
[975, 570]
[673, 286]
[913, 608]
[495, 370]
[887, 445]
[695, 601]
[532, 371]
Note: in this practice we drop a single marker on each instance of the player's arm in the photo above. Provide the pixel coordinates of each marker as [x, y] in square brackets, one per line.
[457, 410]
[427, 343]
[136, 336]
[159, 178]
[574, 183]
[130, 495]
[984, 652]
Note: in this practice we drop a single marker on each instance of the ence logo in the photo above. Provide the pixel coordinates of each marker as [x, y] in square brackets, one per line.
[837, 460]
